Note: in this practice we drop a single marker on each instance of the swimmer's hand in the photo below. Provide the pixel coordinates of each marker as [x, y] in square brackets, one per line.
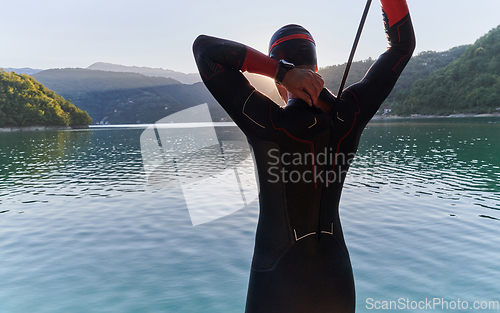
[304, 84]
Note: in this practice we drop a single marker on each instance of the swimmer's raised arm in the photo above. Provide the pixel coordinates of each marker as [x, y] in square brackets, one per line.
[217, 57]
[370, 92]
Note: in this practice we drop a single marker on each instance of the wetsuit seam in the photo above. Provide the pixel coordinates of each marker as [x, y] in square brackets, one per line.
[329, 233]
[221, 71]
[243, 109]
[343, 137]
[315, 122]
[399, 62]
[302, 237]
[399, 41]
[313, 233]
[402, 22]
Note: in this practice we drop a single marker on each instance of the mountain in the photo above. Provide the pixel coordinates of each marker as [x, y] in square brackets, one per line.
[262, 83]
[77, 80]
[471, 84]
[125, 98]
[148, 71]
[25, 102]
[24, 70]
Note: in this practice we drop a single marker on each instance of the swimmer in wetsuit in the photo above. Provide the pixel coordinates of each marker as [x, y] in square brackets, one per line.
[302, 153]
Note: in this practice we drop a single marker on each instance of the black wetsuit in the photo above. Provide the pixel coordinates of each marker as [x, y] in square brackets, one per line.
[301, 262]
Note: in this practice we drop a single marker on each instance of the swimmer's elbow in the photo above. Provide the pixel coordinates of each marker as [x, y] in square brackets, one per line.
[198, 42]
[412, 40]
[402, 38]
[410, 44]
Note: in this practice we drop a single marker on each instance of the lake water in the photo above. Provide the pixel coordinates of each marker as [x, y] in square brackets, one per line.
[82, 230]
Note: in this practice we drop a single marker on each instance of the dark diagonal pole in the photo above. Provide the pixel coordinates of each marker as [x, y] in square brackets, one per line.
[354, 46]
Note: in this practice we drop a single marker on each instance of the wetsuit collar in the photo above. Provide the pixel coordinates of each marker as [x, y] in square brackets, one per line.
[325, 95]
[299, 103]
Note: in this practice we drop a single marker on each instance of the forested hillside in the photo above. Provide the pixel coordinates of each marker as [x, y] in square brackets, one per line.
[25, 102]
[471, 84]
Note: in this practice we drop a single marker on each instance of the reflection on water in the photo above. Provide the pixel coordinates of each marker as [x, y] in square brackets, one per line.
[38, 165]
[83, 229]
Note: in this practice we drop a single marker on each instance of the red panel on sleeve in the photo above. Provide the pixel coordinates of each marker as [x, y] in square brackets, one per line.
[258, 63]
[395, 10]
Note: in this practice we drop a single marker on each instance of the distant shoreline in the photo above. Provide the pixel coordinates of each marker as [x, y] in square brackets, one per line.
[219, 124]
[415, 116]
[39, 127]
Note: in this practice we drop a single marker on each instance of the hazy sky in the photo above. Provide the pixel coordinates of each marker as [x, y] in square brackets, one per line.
[74, 33]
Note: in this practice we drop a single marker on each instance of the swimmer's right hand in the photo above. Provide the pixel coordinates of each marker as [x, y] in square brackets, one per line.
[304, 84]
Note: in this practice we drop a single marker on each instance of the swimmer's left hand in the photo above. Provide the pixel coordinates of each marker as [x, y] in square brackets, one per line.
[304, 84]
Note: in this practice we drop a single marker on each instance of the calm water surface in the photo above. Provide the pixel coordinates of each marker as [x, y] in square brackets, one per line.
[82, 230]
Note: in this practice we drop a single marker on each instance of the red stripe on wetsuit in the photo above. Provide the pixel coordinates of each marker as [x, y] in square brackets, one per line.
[290, 37]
